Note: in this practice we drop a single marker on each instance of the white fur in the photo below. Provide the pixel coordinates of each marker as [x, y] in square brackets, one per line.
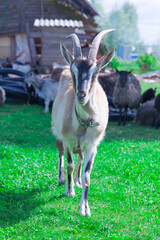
[46, 88]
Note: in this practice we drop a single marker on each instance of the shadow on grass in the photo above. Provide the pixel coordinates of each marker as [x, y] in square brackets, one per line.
[16, 207]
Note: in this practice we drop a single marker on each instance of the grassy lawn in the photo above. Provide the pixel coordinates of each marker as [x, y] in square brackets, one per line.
[124, 192]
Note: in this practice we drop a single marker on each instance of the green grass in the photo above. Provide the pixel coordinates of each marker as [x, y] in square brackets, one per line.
[145, 86]
[124, 192]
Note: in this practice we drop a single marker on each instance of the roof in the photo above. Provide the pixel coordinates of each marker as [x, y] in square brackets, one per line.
[83, 6]
[57, 23]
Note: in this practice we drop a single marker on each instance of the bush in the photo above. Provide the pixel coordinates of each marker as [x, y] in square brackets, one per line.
[147, 62]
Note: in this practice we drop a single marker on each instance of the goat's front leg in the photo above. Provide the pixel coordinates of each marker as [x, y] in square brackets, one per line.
[89, 159]
[77, 179]
[61, 176]
[125, 116]
[70, 168]
[120, 116]
[46, 109]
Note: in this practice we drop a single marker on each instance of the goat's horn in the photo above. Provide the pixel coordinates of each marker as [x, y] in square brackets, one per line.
[95, 44]
[76, 45]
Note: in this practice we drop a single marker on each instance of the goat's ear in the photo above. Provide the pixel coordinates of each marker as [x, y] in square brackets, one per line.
[66, 54]
[102, 62]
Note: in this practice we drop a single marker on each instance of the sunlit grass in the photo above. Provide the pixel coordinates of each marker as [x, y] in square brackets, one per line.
[124, 192]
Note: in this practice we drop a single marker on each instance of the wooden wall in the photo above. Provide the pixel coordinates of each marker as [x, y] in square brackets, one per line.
[51, 38]
[16, 13]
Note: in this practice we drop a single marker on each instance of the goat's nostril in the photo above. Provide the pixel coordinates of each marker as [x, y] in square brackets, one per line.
[81, 94]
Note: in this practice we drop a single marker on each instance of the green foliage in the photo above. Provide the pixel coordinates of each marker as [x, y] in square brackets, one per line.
[124, 191]
[115, 63]
[147, 62]
[144, 63]
[124, 21]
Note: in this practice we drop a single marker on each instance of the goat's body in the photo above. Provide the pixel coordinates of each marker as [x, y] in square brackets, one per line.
[45, 88]
[70, 126]
[146, 113]
[20, 67]
[126, 95]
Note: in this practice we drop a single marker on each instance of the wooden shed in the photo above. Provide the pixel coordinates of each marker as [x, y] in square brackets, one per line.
[31, 30]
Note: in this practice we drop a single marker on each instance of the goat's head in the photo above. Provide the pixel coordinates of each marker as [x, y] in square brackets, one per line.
[30, 78]
[123, 77]
[85, 70]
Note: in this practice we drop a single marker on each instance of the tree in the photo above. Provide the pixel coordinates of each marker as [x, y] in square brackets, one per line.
[125, 23]
[124, 20]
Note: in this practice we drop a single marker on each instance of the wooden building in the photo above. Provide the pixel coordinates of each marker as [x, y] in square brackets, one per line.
[33, 29]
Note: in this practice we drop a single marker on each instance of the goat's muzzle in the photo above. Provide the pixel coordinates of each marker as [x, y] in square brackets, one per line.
[81, 97]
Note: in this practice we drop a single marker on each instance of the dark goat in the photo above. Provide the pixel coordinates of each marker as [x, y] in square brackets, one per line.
[126, 93]
[157, 107]
[107, 81]
[148, 95]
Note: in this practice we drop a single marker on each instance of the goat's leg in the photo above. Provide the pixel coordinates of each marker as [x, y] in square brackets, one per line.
[70, 168]
[77, 179]
[125, 116]
[46, 109]
[89, 159]
[120, 116]
[61, 176]
[157, 118]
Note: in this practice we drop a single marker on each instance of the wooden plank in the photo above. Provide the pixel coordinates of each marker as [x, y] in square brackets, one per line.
[31, 45]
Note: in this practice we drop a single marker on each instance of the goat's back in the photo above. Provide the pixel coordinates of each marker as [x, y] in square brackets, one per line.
[146, 113]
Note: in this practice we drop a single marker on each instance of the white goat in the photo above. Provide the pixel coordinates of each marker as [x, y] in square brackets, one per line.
[45, 88]
[80, 114]
[20, 67]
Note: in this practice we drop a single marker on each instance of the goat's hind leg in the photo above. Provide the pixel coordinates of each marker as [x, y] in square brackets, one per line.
[46, 103]
[70, 168]
[61, 176]
[77, 179]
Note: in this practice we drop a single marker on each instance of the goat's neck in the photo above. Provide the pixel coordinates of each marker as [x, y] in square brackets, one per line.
[88, 110]
[38, 83]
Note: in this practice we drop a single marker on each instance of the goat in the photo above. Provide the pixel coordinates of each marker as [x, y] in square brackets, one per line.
[148, 95]
[157, 107]
[80, 114]
[146, 113]
[46, 88]
[2, 96]
[7, 63]
[126, 93]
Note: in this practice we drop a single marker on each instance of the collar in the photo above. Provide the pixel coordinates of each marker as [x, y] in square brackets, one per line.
[89, 123]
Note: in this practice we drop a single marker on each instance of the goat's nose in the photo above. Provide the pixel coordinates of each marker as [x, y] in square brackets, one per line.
[81, 94]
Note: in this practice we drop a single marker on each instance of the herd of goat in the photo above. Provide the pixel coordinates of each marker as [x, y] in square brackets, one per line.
[80, 111]
[121, 87]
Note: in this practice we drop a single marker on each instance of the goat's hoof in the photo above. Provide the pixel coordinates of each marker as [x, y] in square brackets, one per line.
[84, 212]
[84, 209]
[70, 192]
[62, 182]
[78, 183]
